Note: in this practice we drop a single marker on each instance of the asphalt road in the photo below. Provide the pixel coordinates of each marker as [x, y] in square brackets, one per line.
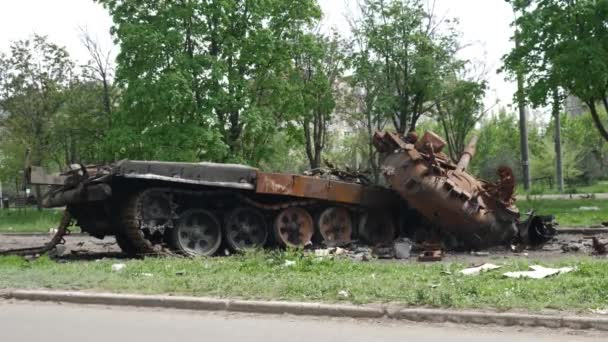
[24, 321]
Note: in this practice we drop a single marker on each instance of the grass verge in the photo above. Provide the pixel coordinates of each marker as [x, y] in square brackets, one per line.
[569, 213]
[28, 220]
[265, 276]
[543, 189]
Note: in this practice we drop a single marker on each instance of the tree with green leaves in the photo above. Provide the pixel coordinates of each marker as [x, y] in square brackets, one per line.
[402, 38]
[318, 64]
[563, 44]
[204, 79]
[459, 110]
[32, 79]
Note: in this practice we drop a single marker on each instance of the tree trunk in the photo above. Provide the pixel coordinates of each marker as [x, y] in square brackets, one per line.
[559, 171]
[523, 128]
[596, 119]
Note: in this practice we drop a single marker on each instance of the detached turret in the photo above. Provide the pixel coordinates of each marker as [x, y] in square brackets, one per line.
[464, 211]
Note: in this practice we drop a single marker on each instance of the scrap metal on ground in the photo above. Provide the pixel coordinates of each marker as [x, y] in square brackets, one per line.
[197, 208]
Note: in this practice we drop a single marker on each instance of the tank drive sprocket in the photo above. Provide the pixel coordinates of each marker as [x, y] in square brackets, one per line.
[144, 217]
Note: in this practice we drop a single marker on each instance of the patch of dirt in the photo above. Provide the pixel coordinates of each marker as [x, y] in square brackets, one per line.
[84, 247]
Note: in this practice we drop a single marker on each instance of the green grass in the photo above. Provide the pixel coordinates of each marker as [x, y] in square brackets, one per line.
[543, 189]
[264, 276]
[568, 213]
[28, 220]
[600, 187]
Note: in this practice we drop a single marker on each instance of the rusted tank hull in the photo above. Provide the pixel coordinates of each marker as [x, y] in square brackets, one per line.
[192, 208]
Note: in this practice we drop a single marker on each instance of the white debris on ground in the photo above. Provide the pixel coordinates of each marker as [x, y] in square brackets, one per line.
[589, 208]
[478, 269]
[289, 263]
[403, 248]
[357, 253]
[400, 249]
[539, 272]
[343, 294]
[600, 311]
[118, 267]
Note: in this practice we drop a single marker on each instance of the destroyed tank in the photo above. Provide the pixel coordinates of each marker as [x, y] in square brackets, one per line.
[197, 208]
[460, 210]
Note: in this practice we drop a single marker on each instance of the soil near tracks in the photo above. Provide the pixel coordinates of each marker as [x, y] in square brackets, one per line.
[77, 246]
[84, 247]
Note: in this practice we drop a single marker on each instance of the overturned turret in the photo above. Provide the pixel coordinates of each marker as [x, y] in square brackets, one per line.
[463, 212]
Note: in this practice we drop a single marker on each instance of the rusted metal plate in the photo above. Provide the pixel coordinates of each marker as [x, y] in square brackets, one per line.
[37, 175]
[322, 189]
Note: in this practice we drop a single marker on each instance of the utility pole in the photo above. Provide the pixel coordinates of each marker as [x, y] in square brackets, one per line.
[1, 197]
[523, 126]
[559, 171]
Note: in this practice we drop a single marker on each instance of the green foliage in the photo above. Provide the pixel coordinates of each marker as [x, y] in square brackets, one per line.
[590, 147]
[401, 50]
[459, 109]
[498, 145]
[204, 80]
[562, 43]
[543, 161]
[29, 220]
[569, 213]
[49, 107]
[319, 62]
[32, 80]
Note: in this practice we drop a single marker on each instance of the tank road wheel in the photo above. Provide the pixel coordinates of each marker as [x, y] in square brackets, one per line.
[197, 233]
[294, 227]
[245, 229]
[335, 226]
[377, 227]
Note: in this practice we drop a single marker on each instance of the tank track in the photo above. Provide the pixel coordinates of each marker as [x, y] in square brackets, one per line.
[58, 239]
[138, 242]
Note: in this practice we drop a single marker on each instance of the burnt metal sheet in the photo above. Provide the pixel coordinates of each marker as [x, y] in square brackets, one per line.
[78, 195]
[322, 189]
[211, 174]
[38, 176]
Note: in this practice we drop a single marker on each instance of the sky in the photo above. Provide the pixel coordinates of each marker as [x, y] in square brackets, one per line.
[485, 27]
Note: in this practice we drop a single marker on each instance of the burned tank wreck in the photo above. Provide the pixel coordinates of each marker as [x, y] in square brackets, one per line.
[195, 209]
[461, 211]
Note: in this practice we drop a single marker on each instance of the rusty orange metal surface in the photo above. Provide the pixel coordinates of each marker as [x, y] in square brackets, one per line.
[467, 211]
[322, 189]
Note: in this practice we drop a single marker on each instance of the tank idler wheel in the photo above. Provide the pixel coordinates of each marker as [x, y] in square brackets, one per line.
[335, 226]
[245, 228]
[294, 227]
[377, 227]
[197, 233]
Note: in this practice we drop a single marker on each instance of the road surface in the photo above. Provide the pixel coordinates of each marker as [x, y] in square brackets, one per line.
[25, 322]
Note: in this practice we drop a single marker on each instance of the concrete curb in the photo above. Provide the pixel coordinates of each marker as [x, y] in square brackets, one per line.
[314, 309]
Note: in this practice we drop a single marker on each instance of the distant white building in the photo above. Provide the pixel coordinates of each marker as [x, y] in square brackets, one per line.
[574, 106]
